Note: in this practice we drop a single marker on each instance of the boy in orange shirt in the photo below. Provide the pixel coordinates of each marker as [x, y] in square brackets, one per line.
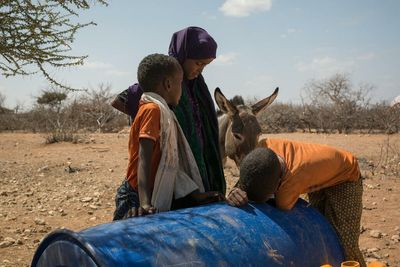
[287, 169]
[162, 173]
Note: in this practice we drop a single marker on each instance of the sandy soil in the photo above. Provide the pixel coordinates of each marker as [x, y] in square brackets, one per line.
[46, 187]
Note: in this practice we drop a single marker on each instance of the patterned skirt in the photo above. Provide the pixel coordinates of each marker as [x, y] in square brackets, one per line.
[342, 206]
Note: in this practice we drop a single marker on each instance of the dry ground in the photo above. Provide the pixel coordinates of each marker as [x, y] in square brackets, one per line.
[39, 193]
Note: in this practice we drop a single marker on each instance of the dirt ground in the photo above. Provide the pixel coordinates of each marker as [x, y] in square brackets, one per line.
[65, 185]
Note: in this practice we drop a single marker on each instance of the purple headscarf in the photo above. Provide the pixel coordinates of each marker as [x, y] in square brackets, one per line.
[192, 43]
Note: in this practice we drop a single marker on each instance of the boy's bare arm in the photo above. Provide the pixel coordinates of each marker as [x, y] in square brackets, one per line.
[144, 169]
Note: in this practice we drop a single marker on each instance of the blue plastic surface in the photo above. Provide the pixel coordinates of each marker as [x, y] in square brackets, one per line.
[213, 235]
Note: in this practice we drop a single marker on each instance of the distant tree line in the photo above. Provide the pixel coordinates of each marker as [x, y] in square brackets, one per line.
[62, 114]
[333, 105]
[329, 106]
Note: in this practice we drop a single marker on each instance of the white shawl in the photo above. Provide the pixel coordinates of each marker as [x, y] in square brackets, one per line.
[177, 174]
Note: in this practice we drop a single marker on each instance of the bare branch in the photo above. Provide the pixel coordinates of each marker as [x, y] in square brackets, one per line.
[38, 33]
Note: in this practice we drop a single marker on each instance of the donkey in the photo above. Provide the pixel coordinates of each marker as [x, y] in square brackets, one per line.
[238, 126]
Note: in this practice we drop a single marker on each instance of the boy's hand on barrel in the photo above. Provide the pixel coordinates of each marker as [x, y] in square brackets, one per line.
[237, 197]
[146, 209]
[141, 211]
[132, 212]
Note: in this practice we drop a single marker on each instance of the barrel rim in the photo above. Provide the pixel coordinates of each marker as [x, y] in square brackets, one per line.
[66, 235]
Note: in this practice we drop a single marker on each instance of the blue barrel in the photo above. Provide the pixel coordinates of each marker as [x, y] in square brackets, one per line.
[212, 235]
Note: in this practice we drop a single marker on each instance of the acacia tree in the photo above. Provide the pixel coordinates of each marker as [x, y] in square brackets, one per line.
[97, 106]
[52, 102]
[35, 35]
[337, 98]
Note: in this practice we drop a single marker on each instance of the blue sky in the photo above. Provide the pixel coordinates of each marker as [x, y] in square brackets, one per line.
[262, 44]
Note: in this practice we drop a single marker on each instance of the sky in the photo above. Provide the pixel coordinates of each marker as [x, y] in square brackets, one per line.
[262, 44]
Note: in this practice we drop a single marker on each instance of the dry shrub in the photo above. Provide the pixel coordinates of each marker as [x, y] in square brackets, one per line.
[389, 159]
[280, 118]
[55, 137]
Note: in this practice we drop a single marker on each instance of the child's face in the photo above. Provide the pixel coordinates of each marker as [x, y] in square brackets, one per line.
[175, 88]
[194, 67]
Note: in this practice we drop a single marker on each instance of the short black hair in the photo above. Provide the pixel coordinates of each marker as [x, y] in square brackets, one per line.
[259, 174]
[154, 68]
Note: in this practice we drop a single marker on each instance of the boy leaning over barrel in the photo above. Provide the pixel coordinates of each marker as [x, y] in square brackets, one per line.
[287, 169]
[162, 172]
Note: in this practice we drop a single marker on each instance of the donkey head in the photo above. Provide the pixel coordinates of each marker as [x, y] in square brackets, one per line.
[238, 126]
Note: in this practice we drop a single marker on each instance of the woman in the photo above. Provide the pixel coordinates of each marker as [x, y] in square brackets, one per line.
[194, 48]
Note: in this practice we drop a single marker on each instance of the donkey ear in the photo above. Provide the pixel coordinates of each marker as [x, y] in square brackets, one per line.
[224, 104]
[262, 104]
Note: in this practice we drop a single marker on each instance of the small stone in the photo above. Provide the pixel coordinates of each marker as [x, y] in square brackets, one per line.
[11, 218]
[7, 242]
[370, 250]
[44, 168]
[86, 199]
[40, 221]
[92, 219]
[375, 233]
[395, 238]
[376, 255]
[374, 203]
[370, 186]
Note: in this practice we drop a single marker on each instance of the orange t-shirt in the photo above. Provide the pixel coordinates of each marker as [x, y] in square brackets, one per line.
[310, 167]
[145, 125]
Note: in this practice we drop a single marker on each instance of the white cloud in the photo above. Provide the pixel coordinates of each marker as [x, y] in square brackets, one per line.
[225, 59]
[326, 66]
[243, 8]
